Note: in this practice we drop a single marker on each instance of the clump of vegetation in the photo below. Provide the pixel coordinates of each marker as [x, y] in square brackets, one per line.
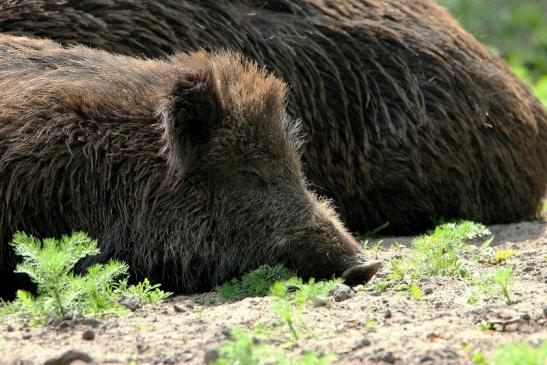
[518, 353]
[515, 30]
[60, 292]
[502, 280]
[496, 257]
[497, 283]
[290, 293]
[256, 283]
[248, 350]
[515, 353]
[416, 292]
[288, 304]
[502, 255]
[439, 253]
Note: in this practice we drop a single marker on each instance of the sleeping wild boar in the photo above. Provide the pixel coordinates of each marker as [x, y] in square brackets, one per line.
[188, 168]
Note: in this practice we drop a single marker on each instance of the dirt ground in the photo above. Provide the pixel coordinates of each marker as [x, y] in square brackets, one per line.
[371, 327]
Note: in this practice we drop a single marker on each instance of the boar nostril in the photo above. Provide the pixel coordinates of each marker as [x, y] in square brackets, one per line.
[361, 274]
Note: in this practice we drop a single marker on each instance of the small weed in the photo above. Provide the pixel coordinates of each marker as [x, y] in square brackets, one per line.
[396, 245]
[245, 349]
[398, 269]
[148, 293]
[288, 314]
[473, 299]
[380, 286]
[502, 255]
[439, 253]
[253, 284]
[305, 291]
[485, 326]
[415, 292]
[372, 249]
[371, 325]
[478, 358]
[502, 280]
[49, 264]
[495, 284]
[288, 305]
[518, 353]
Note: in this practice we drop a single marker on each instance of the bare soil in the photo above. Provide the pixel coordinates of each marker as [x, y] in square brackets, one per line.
[370, 328]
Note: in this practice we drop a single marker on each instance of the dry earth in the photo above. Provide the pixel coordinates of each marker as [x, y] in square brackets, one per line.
[370, 328]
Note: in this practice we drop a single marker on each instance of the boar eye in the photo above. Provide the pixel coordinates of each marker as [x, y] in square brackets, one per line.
[252, 177]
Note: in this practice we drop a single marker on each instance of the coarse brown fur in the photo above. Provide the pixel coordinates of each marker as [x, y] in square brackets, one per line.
[188, 169]
[409, 119]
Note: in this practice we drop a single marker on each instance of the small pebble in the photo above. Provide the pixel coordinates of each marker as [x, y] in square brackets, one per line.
[170, 361]
[211, 356]
[428, 291]
[26, 336]
[385, 356]
[226, 332]
[525, 317]
[66, 324]
[438, 305]
[387, 314]
[341, 292]
[10, 328]
[70, 357]
[178, 308]
[88, 335]
[130, 302]
[319, 301]
[362, 343]
[91, 322]
[528, 268]
[142, 347]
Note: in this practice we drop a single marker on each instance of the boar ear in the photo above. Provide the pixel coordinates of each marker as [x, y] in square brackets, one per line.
[190, 114]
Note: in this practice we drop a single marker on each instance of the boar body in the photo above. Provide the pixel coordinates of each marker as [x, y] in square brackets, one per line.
[187, 168]
[409, 119]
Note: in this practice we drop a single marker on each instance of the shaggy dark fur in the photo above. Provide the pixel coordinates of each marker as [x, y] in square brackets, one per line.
[187, 168]
[409, 118]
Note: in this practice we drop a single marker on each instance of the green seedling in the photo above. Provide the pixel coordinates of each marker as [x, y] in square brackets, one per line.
[478, 358]
[518, 353]
[245, 349]
[502, 280]
[416, 292]
[256, 283]
[61, 293]
[502, 255]
[371, 325]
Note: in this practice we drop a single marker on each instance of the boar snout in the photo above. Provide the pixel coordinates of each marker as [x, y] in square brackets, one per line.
[361, 273]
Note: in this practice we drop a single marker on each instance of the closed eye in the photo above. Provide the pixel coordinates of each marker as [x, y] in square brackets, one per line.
[252, 178]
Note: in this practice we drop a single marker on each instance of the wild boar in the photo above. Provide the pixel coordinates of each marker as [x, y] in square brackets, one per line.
[187, 168]
[409, 119]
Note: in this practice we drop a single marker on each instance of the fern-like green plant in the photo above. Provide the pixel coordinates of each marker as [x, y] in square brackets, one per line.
[49, 263]
[253, 284]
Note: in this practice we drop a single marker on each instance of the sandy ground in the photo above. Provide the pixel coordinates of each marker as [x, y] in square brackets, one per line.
[371, 327]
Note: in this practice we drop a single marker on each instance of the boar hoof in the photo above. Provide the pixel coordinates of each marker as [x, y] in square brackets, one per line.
[361, 274]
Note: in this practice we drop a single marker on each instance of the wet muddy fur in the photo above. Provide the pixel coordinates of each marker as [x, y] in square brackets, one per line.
[408, 118]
